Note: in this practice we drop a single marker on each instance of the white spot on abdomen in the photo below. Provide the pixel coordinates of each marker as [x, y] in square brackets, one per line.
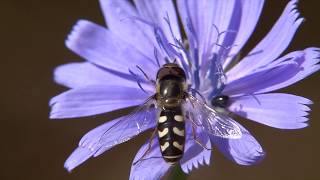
[178, 118]
[163, 119]
[177, 145]
[165, 146]
[172, 157]
[178, 131]
[163, 132]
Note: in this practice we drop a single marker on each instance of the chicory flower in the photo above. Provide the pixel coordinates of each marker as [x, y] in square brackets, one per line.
[143, 36]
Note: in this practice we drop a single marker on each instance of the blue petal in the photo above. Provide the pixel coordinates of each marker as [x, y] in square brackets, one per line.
[284, 111]
[271, 47]
[152, 166]
[243, 151]
[95, 99]
[194, 154]
[119, 17]
[157, 12]
[199, 17]
[202, 20]
[280, 73]
[246, 14]
[74, 75]
[102, 47]
[97, 141]
[309, 60]
[78, 156]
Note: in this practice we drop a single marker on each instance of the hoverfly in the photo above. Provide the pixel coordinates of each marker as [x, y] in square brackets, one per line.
[172, 105]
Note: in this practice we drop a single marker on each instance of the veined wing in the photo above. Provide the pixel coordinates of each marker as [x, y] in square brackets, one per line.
[140, 119]
[213, 122]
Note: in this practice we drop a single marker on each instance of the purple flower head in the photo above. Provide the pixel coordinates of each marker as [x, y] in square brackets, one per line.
[143, 36]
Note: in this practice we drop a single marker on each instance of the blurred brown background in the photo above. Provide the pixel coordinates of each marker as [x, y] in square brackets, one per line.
[34, 147]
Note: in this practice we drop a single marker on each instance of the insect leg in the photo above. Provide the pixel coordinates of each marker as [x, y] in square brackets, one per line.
[149, 147]
[196, 139]
[155, 157]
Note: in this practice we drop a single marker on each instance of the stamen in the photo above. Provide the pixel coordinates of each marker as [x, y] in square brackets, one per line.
[254, 97]
[191, 30]
[218, 78]
[196, 69]
[160, 37]
[177, 44]
[141, 87]
[145, 75]
[169, 25]
[136, 77]
[155, 52]
[168, 47]
[187, 65]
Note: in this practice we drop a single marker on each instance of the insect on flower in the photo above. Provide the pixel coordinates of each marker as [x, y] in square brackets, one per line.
[172, 104]
[183, 89]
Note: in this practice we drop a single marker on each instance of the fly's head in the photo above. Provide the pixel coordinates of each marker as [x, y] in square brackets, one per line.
[171, 85]
[171, 70]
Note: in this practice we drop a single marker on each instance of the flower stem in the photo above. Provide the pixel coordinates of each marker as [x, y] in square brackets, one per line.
[177, 174]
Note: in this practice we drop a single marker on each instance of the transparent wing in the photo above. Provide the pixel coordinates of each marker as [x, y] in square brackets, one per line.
[140, 119]
[211, 121]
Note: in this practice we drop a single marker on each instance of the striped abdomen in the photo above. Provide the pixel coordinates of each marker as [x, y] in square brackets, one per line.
[171, 133]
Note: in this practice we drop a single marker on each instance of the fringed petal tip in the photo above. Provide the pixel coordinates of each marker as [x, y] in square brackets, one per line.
[281, 73]
[278, 110]
[267, 50]
[292, 6]
[195, 155]
[77, 32]
[312, 56]
[196, 162]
